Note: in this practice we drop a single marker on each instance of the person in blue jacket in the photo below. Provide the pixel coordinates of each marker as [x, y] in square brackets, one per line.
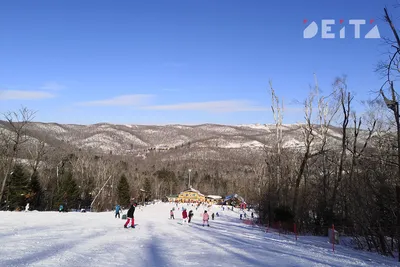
[117, 209]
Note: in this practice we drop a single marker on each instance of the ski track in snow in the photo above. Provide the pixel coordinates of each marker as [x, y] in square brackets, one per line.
[98, 239]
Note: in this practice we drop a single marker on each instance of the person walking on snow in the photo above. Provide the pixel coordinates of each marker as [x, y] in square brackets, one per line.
[129, 217]
[184, 216]
[190, 216]
[171, 214]
[212, 216]
[205, 218]
[117, 209]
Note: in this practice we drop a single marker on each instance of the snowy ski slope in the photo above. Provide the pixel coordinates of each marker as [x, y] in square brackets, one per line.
[98, 239]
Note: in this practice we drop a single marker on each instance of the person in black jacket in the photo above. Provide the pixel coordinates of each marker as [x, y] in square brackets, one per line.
[129, 216]
[190, 216]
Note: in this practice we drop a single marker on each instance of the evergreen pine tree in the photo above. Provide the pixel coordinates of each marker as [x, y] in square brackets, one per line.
[18, 188]
[123, 191]
[35, 192]
[68, 193]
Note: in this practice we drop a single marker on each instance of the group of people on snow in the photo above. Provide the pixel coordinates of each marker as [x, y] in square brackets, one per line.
[187, 218]
[130, 219]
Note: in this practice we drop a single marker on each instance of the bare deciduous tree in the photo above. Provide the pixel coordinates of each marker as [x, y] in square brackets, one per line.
[277, 111]
[16, 123]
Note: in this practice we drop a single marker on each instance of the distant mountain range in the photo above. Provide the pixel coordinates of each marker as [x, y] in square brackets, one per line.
[139, 140]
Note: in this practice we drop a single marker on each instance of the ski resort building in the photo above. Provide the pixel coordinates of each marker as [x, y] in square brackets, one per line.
[191, 195]
[235, 200]
[172, 198]
[212, 199]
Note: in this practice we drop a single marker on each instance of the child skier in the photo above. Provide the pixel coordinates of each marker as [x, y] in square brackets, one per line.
[171, 213]
[212, 216]
[184, 216]
[129, 217]
[190, 215]
[205, 218]
[117, 209]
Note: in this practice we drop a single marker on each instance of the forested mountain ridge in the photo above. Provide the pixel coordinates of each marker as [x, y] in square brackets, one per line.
[141, 139]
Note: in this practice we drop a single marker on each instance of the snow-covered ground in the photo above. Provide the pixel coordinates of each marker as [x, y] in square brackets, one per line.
[98, 239]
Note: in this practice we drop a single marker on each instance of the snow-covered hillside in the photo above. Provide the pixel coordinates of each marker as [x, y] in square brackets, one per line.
[98, 239]
[135, 139]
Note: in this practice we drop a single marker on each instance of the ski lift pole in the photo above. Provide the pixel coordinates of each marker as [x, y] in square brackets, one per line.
[91, 204]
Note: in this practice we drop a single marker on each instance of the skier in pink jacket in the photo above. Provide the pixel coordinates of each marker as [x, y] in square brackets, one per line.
[205, 218]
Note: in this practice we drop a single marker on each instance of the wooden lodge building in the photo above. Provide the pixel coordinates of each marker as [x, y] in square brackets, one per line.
[235, 200]
[192, 195]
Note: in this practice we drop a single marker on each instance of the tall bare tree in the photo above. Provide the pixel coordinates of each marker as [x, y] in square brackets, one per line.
[392, 70]
[277, 111]
[36, 154]
[345, 99]
[16, 122]
[308, 135]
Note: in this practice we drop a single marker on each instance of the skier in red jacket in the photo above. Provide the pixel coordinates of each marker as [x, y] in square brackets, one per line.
[129, 217]
[184, 216]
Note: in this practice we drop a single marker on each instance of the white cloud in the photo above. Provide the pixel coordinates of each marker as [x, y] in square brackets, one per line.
[213, 106]
[123, 100]
[23, 95]
[52, 86]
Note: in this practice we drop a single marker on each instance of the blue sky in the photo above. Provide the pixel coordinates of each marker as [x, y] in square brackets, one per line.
[179, 61]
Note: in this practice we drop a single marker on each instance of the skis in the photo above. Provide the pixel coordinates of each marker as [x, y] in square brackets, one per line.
[130, 227]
